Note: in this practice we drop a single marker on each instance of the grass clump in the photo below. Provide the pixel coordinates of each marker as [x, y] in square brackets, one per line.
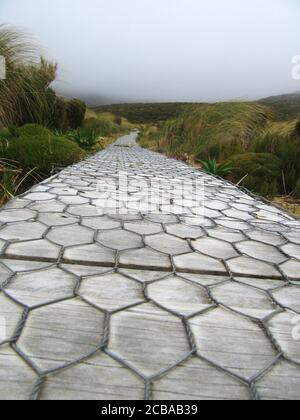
[25, 94]
[258, 172]
[217, 130]
[280, 139]
[12, 179]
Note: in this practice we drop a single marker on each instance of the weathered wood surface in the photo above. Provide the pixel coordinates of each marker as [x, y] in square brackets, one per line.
[155, 302]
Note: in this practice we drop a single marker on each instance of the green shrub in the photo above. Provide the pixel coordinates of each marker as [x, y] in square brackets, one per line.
[102, 126]
[32, 130]
[42, 153]
[4, 132]
[75, 112]
[259, 172]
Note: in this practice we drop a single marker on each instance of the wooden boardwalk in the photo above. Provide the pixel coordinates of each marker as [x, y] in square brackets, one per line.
[135, 276]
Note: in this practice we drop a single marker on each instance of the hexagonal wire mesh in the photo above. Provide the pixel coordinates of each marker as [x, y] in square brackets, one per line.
[158, 305]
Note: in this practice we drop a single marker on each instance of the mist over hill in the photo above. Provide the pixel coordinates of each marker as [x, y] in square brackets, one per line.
[91, 99]
[285, 106]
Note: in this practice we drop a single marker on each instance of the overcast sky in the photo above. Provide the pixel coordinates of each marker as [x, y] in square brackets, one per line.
[165, 50]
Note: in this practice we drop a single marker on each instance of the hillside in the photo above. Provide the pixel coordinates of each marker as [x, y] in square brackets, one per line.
[144, 113]
[284, 106]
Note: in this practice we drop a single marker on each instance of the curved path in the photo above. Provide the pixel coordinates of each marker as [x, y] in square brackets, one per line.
[109, 294]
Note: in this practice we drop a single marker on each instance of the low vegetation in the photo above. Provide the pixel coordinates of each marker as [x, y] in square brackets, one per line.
[86, 139]
[144, 113]
[285, 107]
[212, 167]
[258, 172]
[260, 153]
[32, 154]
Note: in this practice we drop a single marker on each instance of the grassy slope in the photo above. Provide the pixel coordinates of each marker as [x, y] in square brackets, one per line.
[285, 107]
[216, 130]
[144, 113]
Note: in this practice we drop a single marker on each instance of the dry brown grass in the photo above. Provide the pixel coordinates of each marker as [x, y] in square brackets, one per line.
[290, 204]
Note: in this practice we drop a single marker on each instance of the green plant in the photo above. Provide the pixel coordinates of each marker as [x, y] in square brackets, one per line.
[85, 138]
[212, 167]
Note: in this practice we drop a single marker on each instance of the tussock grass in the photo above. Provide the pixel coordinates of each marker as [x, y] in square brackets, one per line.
[216, 130]
[24, 93]
[12, 177]
[105, 123]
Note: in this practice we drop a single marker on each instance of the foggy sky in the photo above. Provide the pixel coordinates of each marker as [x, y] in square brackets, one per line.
[165, 50]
